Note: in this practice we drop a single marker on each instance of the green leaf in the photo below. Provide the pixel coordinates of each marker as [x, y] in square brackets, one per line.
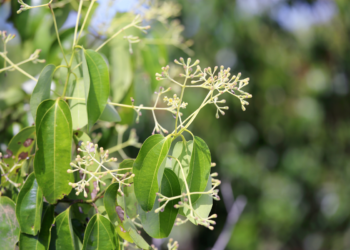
[128, 201]
[63, 236]
[77, 86]
[128, 115]
[126, 164]
[41, 91]
[80, 212]
[78, 107]
[9, 228]
[43, 39]
[86, 75]
[151, 156]
[199, 170]
[203, 205]
[17, 178]
[54, 147]
[115, 213]
[159, 225]
[110, 202]
[153, 58]
[182, 151]
[42, 240]
[28, 23]
[99, 234]
[122, 73]
[137, 238]
[19, 148]
[110, 114]
[29, 206]
[99, 85]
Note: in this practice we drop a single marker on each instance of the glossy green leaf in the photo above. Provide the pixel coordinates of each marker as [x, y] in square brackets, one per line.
[182, 151]
[99, 85]
[203, 205]
[54, 146]
[110, 114]
[29, 206]
[41, 91]
[199, 169]
[99, 234]
[114, 211]
[19, 148]
[63, 236]
[136, 237]
[159, 225]
[9, 227]
[42, 240]
[151, 156]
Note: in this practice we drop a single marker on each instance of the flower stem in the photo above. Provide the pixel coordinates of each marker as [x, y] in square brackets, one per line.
[17, 68]
[57, 34]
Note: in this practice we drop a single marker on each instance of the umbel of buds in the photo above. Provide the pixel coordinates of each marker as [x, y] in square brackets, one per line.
[23, 6]
[90, 165]
[218, 80]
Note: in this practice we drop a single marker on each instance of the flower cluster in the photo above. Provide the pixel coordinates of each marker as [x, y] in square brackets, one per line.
[223, 82]
[217, 80]
[174, 102]
[162, 11]
[35, 57]
[91, 168]
[6, 37]
[172, 245]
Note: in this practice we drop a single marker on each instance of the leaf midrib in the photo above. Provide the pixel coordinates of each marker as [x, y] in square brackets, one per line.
[149, 193]
[99, 76]
[172, 193]
[192, 169]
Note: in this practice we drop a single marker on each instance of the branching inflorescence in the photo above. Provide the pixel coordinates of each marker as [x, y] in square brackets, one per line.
[93, 155]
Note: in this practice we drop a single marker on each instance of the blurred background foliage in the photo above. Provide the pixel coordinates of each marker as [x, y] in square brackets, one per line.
[288, 154]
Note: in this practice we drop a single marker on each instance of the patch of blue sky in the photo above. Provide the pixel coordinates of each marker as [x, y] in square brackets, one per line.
[106, 11]
[302, 16]
[5, 10]
[295, 17]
